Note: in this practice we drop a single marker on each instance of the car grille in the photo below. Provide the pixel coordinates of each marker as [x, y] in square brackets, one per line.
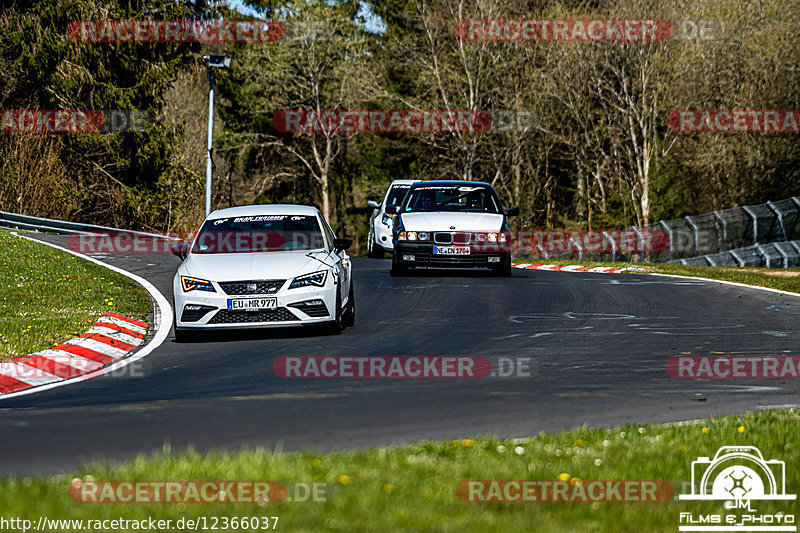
[441, 237]
[465, 260]
[240, 288]
[280, 314]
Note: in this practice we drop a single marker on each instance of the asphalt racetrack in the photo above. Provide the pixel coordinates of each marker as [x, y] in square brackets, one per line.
[597, 343]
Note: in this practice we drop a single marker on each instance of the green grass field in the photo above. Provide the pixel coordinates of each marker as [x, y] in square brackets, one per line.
[413, 488]
[402, 488]
[49, 296]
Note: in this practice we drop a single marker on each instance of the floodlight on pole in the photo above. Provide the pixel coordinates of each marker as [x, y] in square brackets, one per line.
[214, 62]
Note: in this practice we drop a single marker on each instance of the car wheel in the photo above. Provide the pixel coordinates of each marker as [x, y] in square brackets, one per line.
[373, 250]
[337, 325]
[398, 269]
[349, 317]
[504, 270]
[183, 335]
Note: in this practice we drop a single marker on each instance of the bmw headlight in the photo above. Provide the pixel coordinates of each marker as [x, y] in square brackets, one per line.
[306, 280]
[387, 220]
[196, 284]
[423, 236]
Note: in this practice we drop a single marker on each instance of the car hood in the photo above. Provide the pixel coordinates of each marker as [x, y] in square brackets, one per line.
[247, 266]
[442, 221]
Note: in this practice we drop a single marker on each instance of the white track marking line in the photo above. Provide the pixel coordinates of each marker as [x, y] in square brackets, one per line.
[162, 322]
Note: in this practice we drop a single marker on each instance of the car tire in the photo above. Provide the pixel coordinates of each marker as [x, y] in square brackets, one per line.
[183, 335]
[336, 326]
[398, 269]
[374, 250]
[349, 317]
[504, 270]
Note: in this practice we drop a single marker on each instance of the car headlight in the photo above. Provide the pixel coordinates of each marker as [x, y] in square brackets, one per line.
[387, 220]
[196, 284]
[315, 278]
[423, 236]
[411, 235]
[491, 237]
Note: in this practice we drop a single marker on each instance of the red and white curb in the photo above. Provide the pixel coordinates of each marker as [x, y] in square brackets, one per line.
[114, 342]
[571, 268]
[112, 337]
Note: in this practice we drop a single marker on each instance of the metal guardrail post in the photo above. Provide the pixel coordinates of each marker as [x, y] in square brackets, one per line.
[696, 234]
[750, 212]
[613, 246]
[671, 238]
[578, 246]
[778, 214]
[724, 230]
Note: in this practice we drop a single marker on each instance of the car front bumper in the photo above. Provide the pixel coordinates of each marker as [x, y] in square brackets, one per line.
[295, 307]
[423, 256]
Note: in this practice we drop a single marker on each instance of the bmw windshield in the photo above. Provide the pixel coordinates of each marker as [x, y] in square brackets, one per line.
[466, 199]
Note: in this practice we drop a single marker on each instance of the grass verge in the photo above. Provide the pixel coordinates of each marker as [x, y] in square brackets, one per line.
[413, 488]
[49, 296]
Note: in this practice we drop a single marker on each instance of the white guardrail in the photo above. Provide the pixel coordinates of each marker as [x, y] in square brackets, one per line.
[49, 225]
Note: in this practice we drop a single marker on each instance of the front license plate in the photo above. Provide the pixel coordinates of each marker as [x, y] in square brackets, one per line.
[252, 304]
[451, 250]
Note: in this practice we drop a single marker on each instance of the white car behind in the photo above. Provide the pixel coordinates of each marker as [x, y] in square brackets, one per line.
[263, 266]
[379, 239]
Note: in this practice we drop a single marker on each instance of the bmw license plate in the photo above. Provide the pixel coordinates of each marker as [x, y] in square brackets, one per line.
[252, 304]
[451, 250]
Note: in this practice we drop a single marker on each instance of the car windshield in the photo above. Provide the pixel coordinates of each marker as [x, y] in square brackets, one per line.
[396, 194]
[468, 198]
[259, 233]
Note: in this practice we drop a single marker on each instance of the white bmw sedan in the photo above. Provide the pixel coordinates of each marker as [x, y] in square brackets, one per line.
[451, 224]
[263, 266]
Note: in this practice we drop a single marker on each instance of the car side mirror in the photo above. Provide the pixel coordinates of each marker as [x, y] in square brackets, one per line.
[341, 244]
[372, 204]
[392, 209]
[512, 212]
[181, 250]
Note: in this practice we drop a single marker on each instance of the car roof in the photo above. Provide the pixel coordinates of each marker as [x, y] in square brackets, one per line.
[266, 209]
[455, 183]
[403, 182]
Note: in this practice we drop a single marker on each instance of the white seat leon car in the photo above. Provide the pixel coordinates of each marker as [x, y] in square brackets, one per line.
[263, 266]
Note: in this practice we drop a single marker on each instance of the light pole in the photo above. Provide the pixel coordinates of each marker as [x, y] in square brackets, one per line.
[214, 62]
